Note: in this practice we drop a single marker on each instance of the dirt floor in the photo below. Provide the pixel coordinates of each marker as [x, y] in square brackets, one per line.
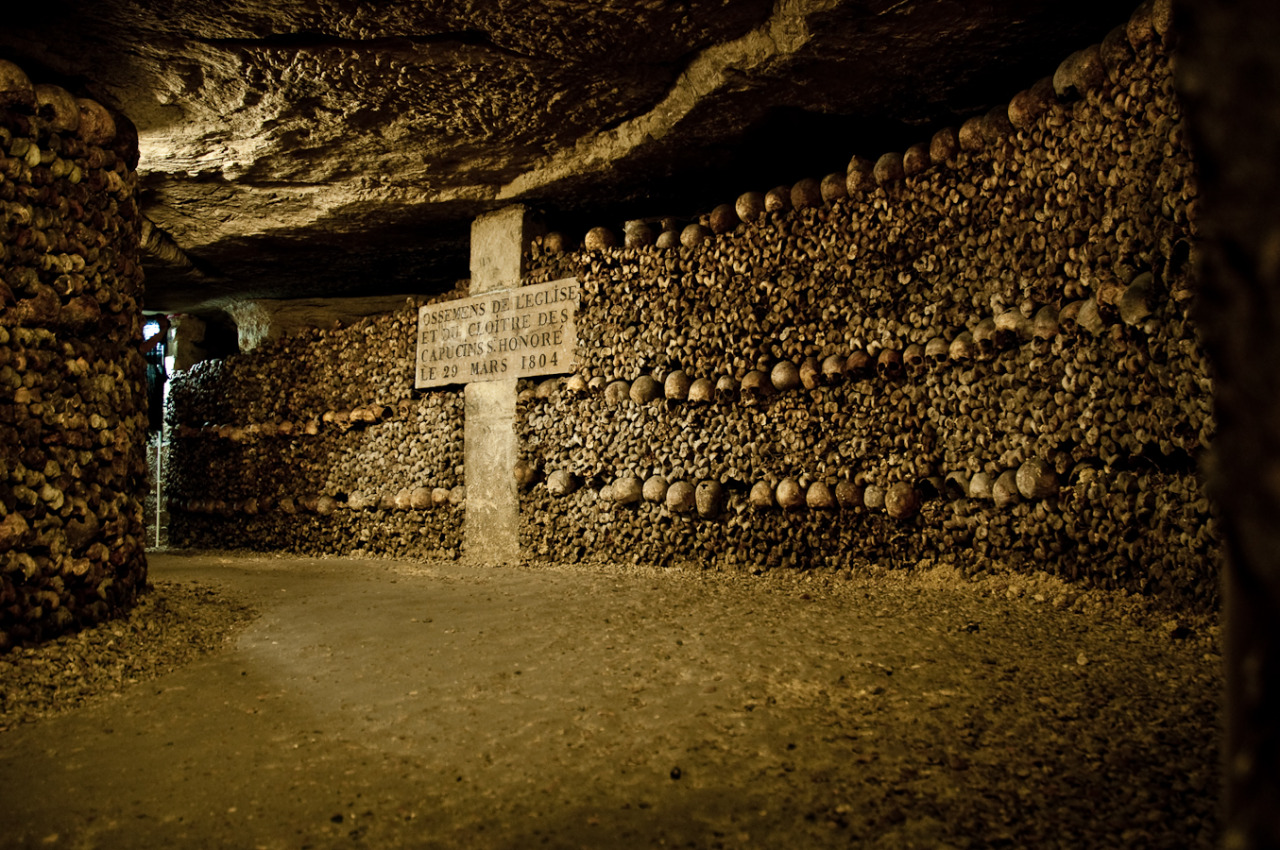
[296, 703]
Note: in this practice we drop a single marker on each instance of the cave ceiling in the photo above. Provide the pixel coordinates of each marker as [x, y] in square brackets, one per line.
[313, 148]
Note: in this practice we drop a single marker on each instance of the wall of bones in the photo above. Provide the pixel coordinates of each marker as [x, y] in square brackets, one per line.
[315, 443]
[72, 400]
[977, 351]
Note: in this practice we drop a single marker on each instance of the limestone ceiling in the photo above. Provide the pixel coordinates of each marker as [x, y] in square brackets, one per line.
[341, 147]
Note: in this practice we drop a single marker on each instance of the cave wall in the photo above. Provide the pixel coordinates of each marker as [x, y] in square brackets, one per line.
[977, 351]
[72, 399]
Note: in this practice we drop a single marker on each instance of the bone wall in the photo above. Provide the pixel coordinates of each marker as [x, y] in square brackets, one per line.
[315, 443]
[72, 400]
[977, 351]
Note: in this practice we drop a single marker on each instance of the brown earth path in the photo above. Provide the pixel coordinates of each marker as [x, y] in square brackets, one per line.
[390, 704]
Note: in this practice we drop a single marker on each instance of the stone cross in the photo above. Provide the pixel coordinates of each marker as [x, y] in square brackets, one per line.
[491, 529]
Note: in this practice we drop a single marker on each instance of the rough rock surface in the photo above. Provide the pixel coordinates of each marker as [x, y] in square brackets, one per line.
[300, 149]
[267, 318]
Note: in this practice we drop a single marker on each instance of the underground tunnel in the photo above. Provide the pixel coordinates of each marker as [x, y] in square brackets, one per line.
[710, 424]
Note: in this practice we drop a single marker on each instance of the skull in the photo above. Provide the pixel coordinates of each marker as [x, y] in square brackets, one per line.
[628, 490]
[980, 486]
[916, 159]
[984, 335]
[889, 363]
[858, 364]
[761, 495]
[750, 206]
[1067, 317]
[1045, 324]
[784, 376]
[676, 386]
[778, 199]
[644, 390]
[701, 391]
[811, 373]
[755, 387]
[833, 369]
[655, 489]
[726, 389]
[936, 351]
[819, 496]
[913, 358]
[637, 234]
[849, 494]
[789, 494]
[616, 393]
[962, 347]
[681, 498]
[956, 485]
[1009, 327]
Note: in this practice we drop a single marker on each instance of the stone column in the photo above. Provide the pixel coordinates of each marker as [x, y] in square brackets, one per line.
[491, 533]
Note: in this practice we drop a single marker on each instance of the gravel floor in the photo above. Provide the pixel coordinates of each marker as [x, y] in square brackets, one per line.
[172, 624]
[882, 709]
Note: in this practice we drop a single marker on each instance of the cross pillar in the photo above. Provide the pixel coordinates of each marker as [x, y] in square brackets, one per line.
[491, 531]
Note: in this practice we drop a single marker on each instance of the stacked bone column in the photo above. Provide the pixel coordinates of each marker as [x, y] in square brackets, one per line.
[72, 396]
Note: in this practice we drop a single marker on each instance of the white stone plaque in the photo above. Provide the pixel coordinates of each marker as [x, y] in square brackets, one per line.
[513, 333]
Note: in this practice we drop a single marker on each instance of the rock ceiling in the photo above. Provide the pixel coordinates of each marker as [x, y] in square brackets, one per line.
[305, 148]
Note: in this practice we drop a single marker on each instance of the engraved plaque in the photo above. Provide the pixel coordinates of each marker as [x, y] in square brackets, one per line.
[515, 333]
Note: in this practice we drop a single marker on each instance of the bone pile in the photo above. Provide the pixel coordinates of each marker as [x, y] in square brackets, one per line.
[977, 350]
[315, 443]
